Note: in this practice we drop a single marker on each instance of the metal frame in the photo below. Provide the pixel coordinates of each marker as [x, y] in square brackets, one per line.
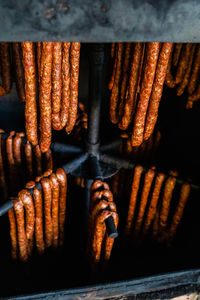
[94, 162]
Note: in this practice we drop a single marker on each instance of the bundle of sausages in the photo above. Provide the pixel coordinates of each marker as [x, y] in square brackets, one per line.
[101, 208]
[43, 205]
[136, 84]
[183, 71]
[150, 209]
[58, 73]
[19, 162]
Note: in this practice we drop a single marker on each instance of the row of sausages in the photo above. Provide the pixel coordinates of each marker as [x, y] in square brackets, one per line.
[183, 71]
[20, 162]
[136, 84]
[150, 204]
[53, 67]
[102, 207]
[58, 74]
[38, 214]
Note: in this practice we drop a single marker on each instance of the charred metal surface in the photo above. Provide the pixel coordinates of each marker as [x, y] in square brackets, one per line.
[100, 20]
[156, 287]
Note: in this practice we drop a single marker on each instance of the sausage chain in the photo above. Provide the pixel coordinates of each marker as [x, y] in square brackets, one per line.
[167, 196]
[154, 201]
[133, 198]
[62, 178]
[149, 176]
[22, 240]
[184, 195]
[45, 97]
[30, 91]
[75, 56]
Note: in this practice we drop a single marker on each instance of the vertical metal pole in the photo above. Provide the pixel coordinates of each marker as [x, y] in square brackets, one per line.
[95, 97]
[94, 110]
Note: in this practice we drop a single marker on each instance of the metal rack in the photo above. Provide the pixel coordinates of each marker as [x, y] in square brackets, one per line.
[93, 161]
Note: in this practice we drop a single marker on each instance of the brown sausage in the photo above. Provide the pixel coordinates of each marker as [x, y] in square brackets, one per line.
[45, 98]
[39, 236]
[195, 71]
[130, 104]
[47, 197]
[27, 201]
[157, 89]
[38, 160]
[126, 66]
[62, 178]
[115, 90]
[29, 159]
[176, 54]
[146, 87]
[17, 142]
[48, 160]
[2, 171]
[75, 56]
[56, 85]
[30, 185]
[112, 50]
[111, 82]
[183, 62]
[39, 55]
[37, 196]
[19, 72]
[154, 201]
[13, 233]
[141, 68]
[64, 114]
[169, 80]
[55, 201]
[102, 204]
[99, 233]
[97, 184]
[184, 195]
[5, 66]
[133, 198]
[98, 195]
[144, 198]
[181, 88]
[30, 92]
[22, 241]
[167, 196]
[11, 162]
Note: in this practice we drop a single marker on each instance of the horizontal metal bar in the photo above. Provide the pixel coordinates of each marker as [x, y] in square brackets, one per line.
[75, 163]
[120, 163]
[65, 148]
[116, 162]
[100, 21]
[5, 207]
[111, 145]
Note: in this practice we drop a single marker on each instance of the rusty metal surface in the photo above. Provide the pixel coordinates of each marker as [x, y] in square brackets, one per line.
[100, 20]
